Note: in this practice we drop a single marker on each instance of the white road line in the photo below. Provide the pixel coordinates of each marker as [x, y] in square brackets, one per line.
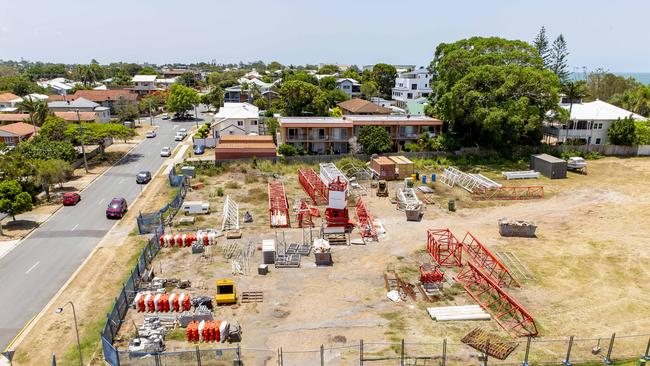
[120, 181]
[32, 267]
[74, 227]
[176, 126]
[100, 201]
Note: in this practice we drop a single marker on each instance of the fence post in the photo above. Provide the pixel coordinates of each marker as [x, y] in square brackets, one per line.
[198, 356]
[646, 355]
[280, 358]
[486, 355]
[567, 359]
[401, 359]
[322, 356]
[444, 352]
[361, 352]
[608, 358]
[527, 351]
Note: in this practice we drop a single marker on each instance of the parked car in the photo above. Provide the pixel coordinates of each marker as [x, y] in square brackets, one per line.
[166, 151]
[143, 177]
[150, 134]
[71, 199]
[116, 208]
[183, 131]
[179, 136]
[165, 116]
[199, 149]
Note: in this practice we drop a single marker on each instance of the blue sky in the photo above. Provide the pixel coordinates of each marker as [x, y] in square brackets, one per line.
[608, 34]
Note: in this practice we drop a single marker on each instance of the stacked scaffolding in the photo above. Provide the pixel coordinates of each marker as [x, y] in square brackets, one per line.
[230, 215]
[506, 311]
[488, 262]
[366, 222]
[278, 206]
[313, 186]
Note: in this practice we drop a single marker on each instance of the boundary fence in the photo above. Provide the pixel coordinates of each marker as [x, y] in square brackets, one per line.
[148, 222]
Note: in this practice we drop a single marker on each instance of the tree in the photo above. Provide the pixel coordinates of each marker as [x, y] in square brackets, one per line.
[606, 86]
[327, 83]
[188, 79]
[37, 109]
[300, 98]
[558, 59]
[13, 200]
[336, 96]
[87, 74]
[642, 132]
[384, 75]
[287, 150]
[42, 148]
[301, 76]
[128, 111]
[622, 132]
[375, 139]
[492, 92]
[181, 99]
[54, 128]
[541, 45]
[50, 172]
[336, 112]
[352, 73]
[214, 98]
[274, 66]
[328, 70]
[17, 84]
[574, 91]
[96, 133]
[635, 100]
[369, 89]
[272, 126]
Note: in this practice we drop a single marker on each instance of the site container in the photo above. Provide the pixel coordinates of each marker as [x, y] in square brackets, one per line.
[403, 166]
[383, 167]
[549, 166]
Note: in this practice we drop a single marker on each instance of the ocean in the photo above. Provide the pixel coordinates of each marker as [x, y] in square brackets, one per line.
[642, 77]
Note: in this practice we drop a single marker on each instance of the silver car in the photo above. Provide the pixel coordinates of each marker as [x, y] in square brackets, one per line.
[166, 151]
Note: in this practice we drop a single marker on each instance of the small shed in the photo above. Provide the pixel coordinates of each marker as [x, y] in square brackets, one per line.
[549, 166]
[384, 167]
[403, 166]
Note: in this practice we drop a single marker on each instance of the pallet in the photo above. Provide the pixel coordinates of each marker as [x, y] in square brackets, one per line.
[337, 239]
[252, 296]
[497, 347]
[296, 248]
[287, 261]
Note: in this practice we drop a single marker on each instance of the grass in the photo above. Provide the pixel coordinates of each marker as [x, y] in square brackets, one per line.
[177, 334]
[232, 185]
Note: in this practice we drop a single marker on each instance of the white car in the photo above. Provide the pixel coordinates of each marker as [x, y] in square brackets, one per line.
[165, 116]
[166, 151]
[183, 131]
[179, 136]
[150, 134]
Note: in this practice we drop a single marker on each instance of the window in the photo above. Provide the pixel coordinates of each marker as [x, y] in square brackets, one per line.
[414, 86]
[409, 96]
[240, 123]
[253, 123]
[598, 141]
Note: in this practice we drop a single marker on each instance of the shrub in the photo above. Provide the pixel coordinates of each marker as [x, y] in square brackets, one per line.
[232, 185]
[287, 150]
[220, 191]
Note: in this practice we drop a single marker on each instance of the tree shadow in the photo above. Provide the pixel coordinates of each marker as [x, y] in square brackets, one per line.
[130, 158]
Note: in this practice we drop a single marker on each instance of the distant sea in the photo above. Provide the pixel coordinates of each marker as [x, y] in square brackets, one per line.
[642, 77]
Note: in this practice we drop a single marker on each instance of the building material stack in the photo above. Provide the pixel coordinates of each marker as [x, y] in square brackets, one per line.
[383, 167]
[278, 206]
[463, 312]
[520, 228]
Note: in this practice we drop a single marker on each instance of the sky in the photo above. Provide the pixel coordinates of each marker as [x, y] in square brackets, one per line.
[600, 34]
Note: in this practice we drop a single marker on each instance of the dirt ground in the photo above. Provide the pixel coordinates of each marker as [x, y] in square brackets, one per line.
[589, 262]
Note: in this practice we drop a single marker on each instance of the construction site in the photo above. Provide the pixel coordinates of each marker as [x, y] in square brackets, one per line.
[399, 262]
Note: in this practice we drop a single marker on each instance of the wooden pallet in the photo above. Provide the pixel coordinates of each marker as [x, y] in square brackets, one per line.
[337, 239]
[497, 347]
[252, 296]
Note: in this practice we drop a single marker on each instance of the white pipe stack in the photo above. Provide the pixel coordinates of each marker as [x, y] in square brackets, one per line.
[465, 312]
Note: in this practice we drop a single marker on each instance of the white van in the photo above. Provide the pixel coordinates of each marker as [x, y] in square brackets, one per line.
[196, 207]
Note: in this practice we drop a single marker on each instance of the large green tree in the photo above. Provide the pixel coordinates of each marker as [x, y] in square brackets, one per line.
[492, 92]
[574, 91]
[604, 85]
[559, 58]
[96, 133]
[50, 172]
[16, 84]
[13, 200]
[54, 128]
[622, 132]
[541, 45]
[181, 99]
[636, 100]
[369, 89]
[328, 69]
[375, 139]
[42, 148]
[214, 98]
[37, 109]
[384, 75]
[300, 98]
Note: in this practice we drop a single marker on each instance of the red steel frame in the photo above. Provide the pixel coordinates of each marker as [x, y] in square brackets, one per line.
[485, 260]
[445, 249]
[278, 202]
[431, 273]
[313, 185]
[366, 222]
[506, 311]
[510, 193]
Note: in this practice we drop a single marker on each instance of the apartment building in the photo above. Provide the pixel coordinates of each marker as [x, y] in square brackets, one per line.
[324, 135]
[411, 85]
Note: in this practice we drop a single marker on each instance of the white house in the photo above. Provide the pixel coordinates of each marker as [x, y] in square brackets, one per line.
[411, 85]
[102, 114]
[144, 83]
[58, 85]
[588, 123]
[350, 86]
[236, 119]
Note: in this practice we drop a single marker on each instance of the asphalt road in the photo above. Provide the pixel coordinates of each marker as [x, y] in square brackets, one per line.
[32, 273]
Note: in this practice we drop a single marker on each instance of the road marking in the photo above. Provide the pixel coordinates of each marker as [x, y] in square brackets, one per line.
[32, 267]
[175, 126]
[74, 227]
[100, 201]
[120, 181]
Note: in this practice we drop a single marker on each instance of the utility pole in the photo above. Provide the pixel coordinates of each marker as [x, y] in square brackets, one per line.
[150, 115]
[81, 138]
[196, 116]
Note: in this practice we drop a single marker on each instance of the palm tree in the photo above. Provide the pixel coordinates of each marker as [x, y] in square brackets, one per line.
[36, 108]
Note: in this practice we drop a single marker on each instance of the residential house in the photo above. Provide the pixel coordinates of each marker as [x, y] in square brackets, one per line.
[350, 86]
[358, 106]
[244, 147]
[108, 98]
[411, 85]
[588, 123]
[8, 118]
[81, 117]
[235, 94]
[61, 86]
[270, 96]
[7, 102]
[144, 84]
[321, 135]
[165, 84]
[12, 134]
[416, 107]
[398, 68]
[102, 114]
[169, 73]
[236, 119]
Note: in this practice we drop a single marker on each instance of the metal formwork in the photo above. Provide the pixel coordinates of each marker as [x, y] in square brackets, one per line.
[506, 311]
[313, 186]
[366, 222]
[278, 206]
[444, 247]
[230, 215]
[487, 261]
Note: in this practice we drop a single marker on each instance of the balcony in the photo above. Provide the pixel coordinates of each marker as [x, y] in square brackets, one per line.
[307, 137]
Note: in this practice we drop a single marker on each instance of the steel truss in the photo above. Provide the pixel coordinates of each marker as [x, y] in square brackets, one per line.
[313, 185]
[230, 215]
[366, 222]
[444, 247]
[278, 206]
[488, 262]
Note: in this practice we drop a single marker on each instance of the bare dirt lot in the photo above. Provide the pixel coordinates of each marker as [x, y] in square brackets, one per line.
[589, 262]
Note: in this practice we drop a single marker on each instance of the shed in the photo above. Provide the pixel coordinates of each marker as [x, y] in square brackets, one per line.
[549, 166]
[384, 167]
[403, 166]
[244, 147]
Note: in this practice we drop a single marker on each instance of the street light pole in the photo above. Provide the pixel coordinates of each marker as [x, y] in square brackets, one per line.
[76, 328]
[81, 138]
[150, 115]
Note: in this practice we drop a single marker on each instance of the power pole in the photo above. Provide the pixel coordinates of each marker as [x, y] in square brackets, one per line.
[81, 138]
[150, 115]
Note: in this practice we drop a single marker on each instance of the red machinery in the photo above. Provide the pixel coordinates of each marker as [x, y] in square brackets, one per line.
[305, 214]
[278, 207]
[445, 249]
[336, 213]
[485, 260]
[431, 273]
[313, 185]
[366, 222]
[506, 311]
[510, 193]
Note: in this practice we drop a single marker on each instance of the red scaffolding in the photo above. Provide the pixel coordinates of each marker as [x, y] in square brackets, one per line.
[506, 311]
[510, 193]
[313, 185]
[445, 249]
[366, 223]
[485, 260]
[306, 214]
[278, 206]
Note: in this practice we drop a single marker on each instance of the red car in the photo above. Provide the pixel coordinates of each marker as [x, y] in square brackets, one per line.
[117, 208]
[71, 199]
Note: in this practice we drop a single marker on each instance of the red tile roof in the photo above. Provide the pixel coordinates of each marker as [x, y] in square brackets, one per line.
[19, 129]
[72, 116]
[59, 97]
[105, 95]
[7, 97]
[360, 106]
[13, 117]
